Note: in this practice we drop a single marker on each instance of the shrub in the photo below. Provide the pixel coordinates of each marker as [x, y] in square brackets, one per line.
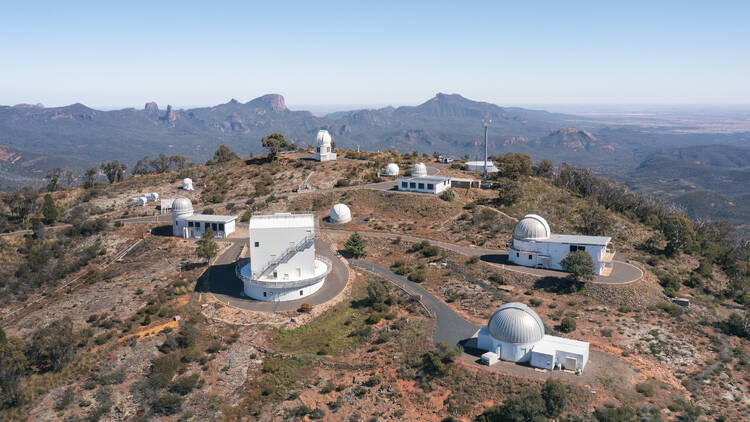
[184, 385]
[167, 404]
[430, 251]
[418, 276]
[567, 325]
[606, 332]
[645, 388]
[373, 318]
[535, 301]
[373, 381]
[306, 308]
[448, 195]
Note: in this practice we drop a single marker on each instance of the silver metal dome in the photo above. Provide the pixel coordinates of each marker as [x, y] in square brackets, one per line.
[340, 214]
[182, 207]
[392, 169]
[531, 227]
[516, 323]
[419, 170]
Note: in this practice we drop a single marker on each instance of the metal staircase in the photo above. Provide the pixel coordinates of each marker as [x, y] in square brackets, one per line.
[284, 257]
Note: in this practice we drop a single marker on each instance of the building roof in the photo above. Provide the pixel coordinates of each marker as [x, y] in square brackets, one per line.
[579, 239]
[182, 205]
[531, 227]
[548, 345]
[210, 218]
[425, 179]
[516, 323]
[282, 220]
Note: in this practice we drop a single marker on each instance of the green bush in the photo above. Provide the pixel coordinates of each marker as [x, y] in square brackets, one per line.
[417, 276]
[167, 404]
[645, 388]
[567, 325]
[535, 301]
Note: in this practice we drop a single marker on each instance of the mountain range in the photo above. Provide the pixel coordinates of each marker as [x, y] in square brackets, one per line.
[33, 137]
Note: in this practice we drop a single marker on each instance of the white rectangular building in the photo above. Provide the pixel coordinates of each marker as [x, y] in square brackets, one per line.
[560, 353]
[272, 235]
[424, 184]
[195, 225]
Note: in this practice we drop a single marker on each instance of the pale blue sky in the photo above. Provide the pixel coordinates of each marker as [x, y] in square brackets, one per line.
[199, 53]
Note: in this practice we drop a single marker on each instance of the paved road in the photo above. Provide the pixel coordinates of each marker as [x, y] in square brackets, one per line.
[226, 287]
[451, 327]
[622, 273]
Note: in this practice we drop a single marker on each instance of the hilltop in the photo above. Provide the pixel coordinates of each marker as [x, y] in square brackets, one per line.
[369, 352]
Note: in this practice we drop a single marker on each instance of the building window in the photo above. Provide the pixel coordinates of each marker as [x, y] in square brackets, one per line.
[257, 244]
[430, 186]
[221, 227]
[574, 248]
[413, 185]
[275, 274]
[265, 294]
[300, 293]
[531, 256]
[404, 185]
[421, 186]
[518, 255]
[190, 224]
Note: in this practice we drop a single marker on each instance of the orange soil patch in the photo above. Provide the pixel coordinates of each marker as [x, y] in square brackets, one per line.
[152, 331]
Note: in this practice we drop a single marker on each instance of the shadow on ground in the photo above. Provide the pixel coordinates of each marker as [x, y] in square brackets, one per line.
[162, 231]
[222, 281]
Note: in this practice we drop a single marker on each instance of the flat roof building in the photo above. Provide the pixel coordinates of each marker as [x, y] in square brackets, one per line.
[424, 184]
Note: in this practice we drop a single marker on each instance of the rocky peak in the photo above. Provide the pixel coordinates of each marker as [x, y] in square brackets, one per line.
[170, 115]
[151, 108]
[274, 102]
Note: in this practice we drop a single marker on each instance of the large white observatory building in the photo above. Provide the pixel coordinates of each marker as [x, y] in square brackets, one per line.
[515, 333]
[534, 245]
[187, 224]
[323, 149]
[283, 265]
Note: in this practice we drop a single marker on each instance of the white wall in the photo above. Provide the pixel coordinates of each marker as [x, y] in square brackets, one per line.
[181, 228]
[269, 243]
[276, 295]
[414, 185]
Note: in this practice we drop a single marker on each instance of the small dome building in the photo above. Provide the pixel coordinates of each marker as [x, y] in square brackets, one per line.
[187, 184]
[340, 214]
[391, 169]
[534, 245]
[516, 333]
[513, 329]
[419, 170]
[323, 149]
[181, 207]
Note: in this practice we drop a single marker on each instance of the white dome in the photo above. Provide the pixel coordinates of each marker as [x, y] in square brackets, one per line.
[516, 323]
[392, 169]
[182, 207]
[187, 183]
[340, 214]
[324, 137]
[419, 170]
[531, 227]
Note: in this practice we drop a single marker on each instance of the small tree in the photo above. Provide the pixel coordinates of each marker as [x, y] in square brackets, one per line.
[114, 171]
[509, 192]
[580, 265]
[222, 155]
[207, 247]
[554, 396]
[53, 179]
[89, 178]
[276, 143]
[544, 168]
[355, 246]
[679, 233]
[49, 210]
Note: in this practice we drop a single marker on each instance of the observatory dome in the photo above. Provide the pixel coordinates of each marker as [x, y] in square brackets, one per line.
[324, 137]
[187, 183]
[340, 214]
[182, 207]
[419, 170]
[391, 169]
[516, 323]
[531, 227]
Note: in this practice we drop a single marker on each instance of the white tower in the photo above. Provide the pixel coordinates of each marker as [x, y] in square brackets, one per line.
[323, 148]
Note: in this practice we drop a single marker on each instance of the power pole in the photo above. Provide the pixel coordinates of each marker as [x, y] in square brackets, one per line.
[486, 122]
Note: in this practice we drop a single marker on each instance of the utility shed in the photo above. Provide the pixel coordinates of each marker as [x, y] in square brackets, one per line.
[557, 352]
[490, 358]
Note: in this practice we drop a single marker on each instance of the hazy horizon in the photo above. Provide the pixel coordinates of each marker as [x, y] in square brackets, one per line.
[101, 53]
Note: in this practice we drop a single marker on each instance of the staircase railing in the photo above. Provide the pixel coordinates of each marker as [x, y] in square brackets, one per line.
[291, 250]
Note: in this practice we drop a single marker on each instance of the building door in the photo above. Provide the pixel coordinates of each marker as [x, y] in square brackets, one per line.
[570, 363]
